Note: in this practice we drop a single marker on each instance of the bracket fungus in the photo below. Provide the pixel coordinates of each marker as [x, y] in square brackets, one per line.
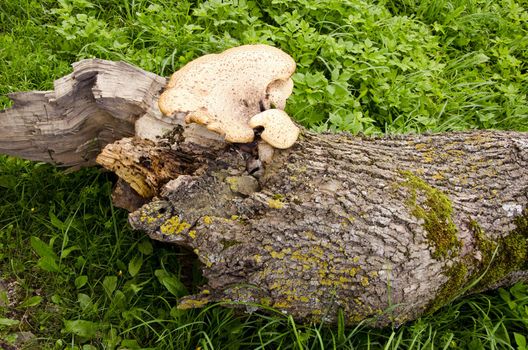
[224, 91]
[279, 130]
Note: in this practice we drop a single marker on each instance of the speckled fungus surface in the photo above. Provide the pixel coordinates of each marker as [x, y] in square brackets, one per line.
[223, 91]
[279, 130]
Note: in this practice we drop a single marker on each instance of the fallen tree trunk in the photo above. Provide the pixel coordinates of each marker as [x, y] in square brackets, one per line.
[383, 228]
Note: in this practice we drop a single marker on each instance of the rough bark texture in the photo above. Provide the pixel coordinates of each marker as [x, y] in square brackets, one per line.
[382, 228]
[386, 228]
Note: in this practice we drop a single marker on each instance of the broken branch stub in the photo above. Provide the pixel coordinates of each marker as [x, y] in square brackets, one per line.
[98, 103]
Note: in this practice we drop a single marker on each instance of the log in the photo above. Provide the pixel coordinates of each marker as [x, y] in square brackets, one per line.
[385, 229]
[340, 222]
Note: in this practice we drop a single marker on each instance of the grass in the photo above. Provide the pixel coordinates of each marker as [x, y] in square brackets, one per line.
[75, 276]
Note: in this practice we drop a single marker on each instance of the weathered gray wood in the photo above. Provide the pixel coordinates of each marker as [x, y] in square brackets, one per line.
[95, 105]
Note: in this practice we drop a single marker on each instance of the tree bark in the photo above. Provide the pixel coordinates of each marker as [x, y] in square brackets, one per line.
[385, 229]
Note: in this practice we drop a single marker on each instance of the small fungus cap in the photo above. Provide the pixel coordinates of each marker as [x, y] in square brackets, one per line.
[279, 129]
[223, 91]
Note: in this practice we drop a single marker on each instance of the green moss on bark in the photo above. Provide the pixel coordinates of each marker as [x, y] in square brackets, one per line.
[500, 257]
[458, 277]
[434, 207]
[507, 254]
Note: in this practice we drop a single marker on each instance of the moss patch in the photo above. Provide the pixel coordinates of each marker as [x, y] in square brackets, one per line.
[275, 204]
[511, 251]
[190, 303]
[500, 257]
[457, 275]
[436, 210]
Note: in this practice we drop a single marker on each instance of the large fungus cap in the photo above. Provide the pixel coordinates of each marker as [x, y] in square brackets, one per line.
[223, 91]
